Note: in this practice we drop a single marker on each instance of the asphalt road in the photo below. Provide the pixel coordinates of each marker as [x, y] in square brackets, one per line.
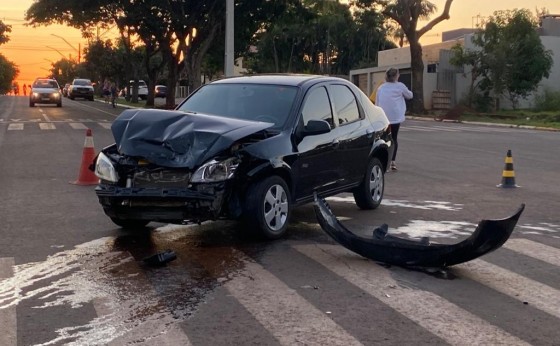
[69, 276]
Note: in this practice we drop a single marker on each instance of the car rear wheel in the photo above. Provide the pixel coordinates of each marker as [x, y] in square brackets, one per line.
[370, 192]
[31, 104]
[59, 104]
[267, 207]
[129, 223]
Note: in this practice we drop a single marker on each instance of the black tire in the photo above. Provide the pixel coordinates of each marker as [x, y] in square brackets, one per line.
[90, 98]
[267, 208]
[71, 97]
[370, 192]
[130, 223]
[59, 104]
[31, 104]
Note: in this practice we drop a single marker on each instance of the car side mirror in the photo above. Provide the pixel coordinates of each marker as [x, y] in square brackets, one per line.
[316, 127]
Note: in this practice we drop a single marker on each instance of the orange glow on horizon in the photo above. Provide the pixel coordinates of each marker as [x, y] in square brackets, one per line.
[34, 49]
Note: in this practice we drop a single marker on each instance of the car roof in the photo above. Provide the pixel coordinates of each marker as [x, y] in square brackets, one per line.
[278, 79]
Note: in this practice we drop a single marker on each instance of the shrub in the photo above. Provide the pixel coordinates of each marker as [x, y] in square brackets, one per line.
[548, 101]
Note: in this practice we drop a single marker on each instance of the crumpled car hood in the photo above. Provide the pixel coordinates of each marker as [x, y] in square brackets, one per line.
[178, 139]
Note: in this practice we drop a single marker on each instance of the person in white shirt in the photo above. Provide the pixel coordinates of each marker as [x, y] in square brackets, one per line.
[391, 98]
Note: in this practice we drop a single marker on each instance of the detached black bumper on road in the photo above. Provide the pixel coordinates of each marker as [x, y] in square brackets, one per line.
[488, 236]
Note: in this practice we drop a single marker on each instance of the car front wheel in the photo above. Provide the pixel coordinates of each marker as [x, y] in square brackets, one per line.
[267, 207]
[370, 192]
[130, 223]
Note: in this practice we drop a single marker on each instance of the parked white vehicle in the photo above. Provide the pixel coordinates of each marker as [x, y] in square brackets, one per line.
[142, 89]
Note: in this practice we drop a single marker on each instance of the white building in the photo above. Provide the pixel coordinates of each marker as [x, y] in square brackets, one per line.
[441, 78]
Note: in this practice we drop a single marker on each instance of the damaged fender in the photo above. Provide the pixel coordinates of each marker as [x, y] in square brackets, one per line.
[488, 236]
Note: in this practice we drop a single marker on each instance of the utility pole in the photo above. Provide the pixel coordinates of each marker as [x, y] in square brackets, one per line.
[68, 43]
[229, 55]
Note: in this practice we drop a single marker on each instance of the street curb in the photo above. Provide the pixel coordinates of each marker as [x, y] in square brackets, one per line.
[526, 127]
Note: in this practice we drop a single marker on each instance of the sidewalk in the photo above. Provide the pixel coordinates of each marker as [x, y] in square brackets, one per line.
[485, 124]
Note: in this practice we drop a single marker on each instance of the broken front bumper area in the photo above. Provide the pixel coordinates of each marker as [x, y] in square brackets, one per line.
[488, 236]
[173, 205]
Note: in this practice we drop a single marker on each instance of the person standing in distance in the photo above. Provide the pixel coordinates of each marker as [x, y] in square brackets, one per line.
[391, 97]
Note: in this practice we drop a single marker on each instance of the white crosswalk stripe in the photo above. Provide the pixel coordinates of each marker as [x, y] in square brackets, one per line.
[8, 321]
[535, 250]
[539, 295]
[278, 308]
[47, 126]
[78, 126]
[52, 125]
[430, 311]
[283, 315]
[15, 126]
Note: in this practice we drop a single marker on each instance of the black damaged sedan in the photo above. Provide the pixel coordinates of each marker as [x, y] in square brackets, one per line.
[247, 148]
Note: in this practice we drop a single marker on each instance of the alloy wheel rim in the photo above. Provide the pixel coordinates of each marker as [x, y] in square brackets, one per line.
[276, 207]
[376, 183]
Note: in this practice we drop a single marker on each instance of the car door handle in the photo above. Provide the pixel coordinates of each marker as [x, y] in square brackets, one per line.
[369, 133]
[335, 143]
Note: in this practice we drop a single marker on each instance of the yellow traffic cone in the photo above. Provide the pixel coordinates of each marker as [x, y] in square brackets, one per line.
[508, 175]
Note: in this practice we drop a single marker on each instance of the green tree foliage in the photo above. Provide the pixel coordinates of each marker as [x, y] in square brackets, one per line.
[8, 70]
[510, 59]
[165, 28]
[4, 31]
[64, 70]
[8, 73]
[318, 36]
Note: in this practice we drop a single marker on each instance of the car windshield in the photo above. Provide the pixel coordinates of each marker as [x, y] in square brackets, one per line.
[45, 83]
[258, 102]
[82, 82]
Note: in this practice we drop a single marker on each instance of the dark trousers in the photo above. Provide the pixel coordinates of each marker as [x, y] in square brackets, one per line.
[395, 133]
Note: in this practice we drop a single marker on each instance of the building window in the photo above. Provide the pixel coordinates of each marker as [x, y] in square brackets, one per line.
[432, 68]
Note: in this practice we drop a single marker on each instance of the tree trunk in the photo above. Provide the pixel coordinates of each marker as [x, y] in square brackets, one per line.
[172, 73]
[417, 65]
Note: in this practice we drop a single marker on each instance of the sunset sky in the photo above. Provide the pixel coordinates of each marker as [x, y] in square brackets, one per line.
[33, 49]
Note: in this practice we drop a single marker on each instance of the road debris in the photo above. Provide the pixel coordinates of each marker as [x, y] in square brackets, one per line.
[488, 236]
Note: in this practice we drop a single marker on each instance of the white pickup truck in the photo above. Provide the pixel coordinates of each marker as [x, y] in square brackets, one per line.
[142, 89]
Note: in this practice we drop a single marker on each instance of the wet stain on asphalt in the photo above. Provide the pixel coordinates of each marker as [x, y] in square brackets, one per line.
[138, 300]
[133, 301]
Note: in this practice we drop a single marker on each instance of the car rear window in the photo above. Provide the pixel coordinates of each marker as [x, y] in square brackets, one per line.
[82, 82]
[258, 102]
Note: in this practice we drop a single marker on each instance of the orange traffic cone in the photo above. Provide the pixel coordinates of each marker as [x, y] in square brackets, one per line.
[508, 175]
[87, 177]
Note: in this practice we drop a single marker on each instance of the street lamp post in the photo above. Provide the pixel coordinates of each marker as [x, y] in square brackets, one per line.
[229, 56]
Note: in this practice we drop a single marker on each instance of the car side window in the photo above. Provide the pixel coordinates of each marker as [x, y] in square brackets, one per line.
[317, 107]
[345, 104]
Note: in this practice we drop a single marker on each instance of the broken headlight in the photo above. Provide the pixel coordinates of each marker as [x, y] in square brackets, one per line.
[214, 171]
[104, 169]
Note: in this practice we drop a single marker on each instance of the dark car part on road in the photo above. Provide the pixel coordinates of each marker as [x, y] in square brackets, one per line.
[248, 149]
[161, 258]
[488, 236]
